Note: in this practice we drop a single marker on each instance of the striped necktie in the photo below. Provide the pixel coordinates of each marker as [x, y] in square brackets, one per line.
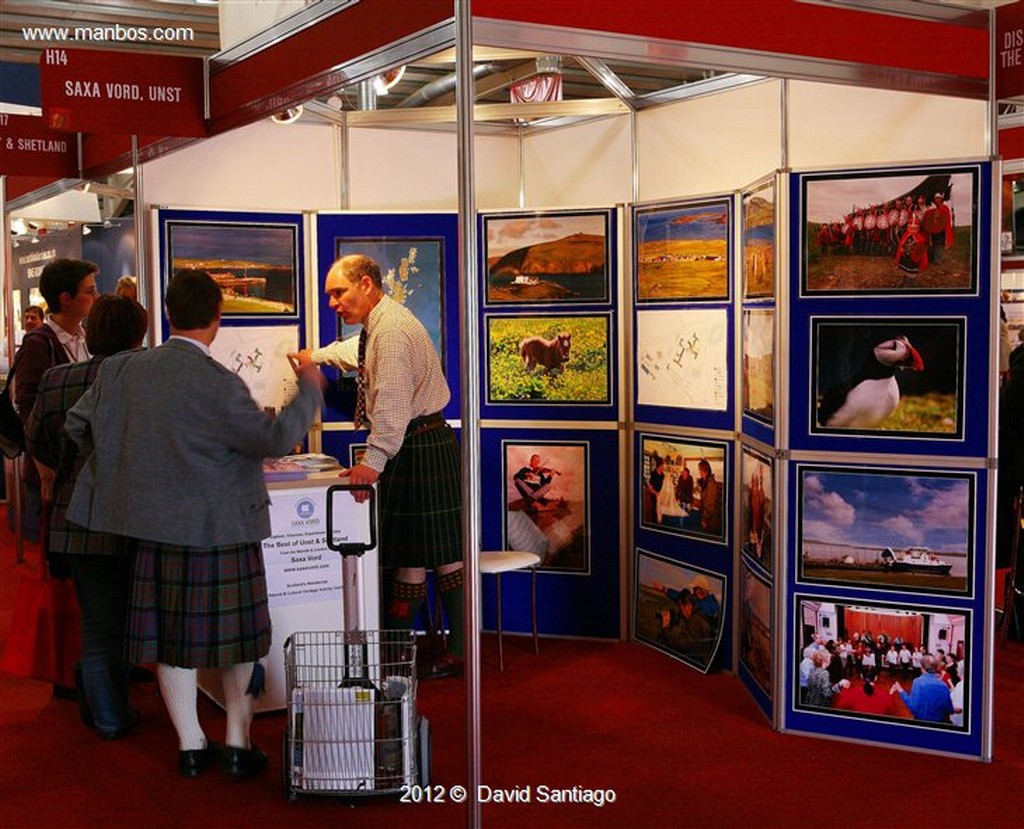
[360, 416]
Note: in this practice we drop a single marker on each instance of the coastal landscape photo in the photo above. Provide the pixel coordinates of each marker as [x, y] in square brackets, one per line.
[887, 528]
[254, 264]
[547, 258]
[682, 252]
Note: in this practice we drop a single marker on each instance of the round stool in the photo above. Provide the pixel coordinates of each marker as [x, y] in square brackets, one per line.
[506, 561]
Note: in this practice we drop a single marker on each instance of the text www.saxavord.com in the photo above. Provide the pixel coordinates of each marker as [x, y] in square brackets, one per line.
[107, 34]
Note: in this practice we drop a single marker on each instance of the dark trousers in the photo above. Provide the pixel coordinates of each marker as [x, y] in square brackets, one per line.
[102, 584]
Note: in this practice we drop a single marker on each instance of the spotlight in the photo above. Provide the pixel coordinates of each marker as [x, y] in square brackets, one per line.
[289, 116]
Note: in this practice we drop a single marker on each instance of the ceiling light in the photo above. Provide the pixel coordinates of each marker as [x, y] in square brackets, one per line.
[35, 240]
[289, 116]
[86, 230]
[385, 81]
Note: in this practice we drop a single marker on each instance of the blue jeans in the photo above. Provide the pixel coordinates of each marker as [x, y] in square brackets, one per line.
[102, 584]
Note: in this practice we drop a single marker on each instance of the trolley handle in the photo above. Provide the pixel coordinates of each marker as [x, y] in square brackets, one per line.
[352, 548]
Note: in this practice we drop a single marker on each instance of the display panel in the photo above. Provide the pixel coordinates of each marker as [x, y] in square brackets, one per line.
[684, 486]
[547, 258]
[417, 254]
[759, 364]
[255, 264]
[757, 508]
[557, 359]
[878, 528]
[683, 358]
[547, 502]
[898, 664]
[259, 355]
[682, 251]
[896, 231]
[679, 609]
[758, 236]
[756, 628]
[412, 274]
[888, 376]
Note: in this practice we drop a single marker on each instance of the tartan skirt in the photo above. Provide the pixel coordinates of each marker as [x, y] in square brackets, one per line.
[420, 493]
[198, 607]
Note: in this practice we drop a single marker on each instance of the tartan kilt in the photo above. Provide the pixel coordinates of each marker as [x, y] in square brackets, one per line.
[420, 493]
[198, 607]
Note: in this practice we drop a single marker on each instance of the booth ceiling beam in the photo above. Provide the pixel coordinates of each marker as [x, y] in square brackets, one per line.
[614, 46]
[490, 112]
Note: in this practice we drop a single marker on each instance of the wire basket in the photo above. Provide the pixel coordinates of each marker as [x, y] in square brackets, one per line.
[352, 726]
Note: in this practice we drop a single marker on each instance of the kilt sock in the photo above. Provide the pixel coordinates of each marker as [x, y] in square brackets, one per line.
[179, 689]
[406, 601]
[239, 705]
[449, 585]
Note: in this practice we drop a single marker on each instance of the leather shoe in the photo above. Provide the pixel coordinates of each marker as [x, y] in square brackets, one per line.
[443, 667]
[242, 762]
[193, 762]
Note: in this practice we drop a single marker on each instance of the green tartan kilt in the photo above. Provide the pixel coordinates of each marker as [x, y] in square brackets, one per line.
[198, 607]
[420, 493]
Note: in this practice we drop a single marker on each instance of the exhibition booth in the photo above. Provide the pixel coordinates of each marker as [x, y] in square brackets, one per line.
[663, 315]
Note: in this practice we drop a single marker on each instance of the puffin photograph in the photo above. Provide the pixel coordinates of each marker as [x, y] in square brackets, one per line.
[867, 398]
[865, 371]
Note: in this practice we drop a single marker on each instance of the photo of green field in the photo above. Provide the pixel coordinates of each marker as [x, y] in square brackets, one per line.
[549, 359]
[683, 252]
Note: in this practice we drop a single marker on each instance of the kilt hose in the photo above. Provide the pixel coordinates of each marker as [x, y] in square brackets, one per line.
[198, 607]
[421, 500]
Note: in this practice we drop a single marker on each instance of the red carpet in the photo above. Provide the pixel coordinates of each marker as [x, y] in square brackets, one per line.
[676, 747]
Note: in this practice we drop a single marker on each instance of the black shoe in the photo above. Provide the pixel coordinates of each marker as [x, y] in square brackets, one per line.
[193, 762]
[242, 762]
[446, 665]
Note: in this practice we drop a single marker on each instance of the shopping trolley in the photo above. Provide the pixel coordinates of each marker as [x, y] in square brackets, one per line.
[352, 728]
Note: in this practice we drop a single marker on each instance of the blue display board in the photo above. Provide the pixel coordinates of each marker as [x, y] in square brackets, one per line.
[889, 341]
[685, 516]
[548, 331]
[683, 272]
[883, 359]
[257, 258]
[548, 491]
[418, 257]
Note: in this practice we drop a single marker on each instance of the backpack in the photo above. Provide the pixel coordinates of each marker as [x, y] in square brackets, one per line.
[12, 433]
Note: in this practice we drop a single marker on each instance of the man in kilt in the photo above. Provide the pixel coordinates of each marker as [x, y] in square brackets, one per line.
[411, 451]
[175, 445]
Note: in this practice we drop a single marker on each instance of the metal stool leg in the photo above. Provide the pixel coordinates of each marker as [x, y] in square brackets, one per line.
[533, 607]
[501, 656]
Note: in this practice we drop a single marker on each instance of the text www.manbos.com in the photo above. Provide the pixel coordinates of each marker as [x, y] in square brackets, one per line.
[106, 34]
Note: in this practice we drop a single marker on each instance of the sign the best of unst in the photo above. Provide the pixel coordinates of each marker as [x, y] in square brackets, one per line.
[118, 93]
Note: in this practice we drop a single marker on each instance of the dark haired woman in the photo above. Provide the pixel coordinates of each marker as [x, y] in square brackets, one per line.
[100, 564]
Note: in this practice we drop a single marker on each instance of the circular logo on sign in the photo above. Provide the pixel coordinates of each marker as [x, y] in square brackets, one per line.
[305, 508]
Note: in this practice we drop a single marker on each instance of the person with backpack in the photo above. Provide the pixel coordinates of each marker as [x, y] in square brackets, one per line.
[69, 288]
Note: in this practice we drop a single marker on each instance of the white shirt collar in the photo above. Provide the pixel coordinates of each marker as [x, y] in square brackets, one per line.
[74, 343]
[201, 346]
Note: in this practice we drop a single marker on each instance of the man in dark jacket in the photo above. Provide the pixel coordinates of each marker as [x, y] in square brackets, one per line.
[69, 288]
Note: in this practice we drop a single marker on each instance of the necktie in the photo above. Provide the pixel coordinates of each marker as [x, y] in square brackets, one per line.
[360, 416]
